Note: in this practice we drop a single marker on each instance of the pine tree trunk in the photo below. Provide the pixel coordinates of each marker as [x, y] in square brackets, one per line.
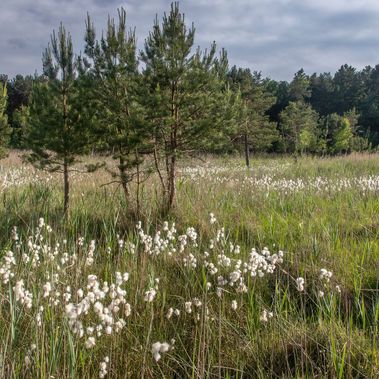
[138, 185]
[247, 155]
[66, 187]
[171, 157]
[125, 188]
[172, 183]
[124, 181]
[156, 163]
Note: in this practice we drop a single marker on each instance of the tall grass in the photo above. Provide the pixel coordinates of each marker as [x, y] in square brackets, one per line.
[323, 213]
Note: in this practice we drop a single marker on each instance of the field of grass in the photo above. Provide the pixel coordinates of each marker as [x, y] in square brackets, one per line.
[282, 281]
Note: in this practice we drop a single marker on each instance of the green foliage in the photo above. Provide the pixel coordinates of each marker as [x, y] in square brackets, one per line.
[113, 84]
[349, 89]
[186, 97]
[254, 128]
[307, 140]
[359, 143]
[342, 136]
[19, 126]
[338, 132]
[322, 98]
[56, 130]
[4, 126]
[299, 88]
[298, 128]
[19, 91]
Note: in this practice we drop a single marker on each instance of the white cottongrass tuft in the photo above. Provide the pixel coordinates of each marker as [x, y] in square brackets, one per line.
[158, 348]
[234, 305]
[266, 315]
[150, 295]
[300, 284]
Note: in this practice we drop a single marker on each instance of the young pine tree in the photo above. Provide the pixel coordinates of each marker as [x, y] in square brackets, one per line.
[186, 95]
[111, 69]
[56, 132]
[4, 126]
[255, 129]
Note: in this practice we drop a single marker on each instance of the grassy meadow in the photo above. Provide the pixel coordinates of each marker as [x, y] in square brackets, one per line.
[282, 281]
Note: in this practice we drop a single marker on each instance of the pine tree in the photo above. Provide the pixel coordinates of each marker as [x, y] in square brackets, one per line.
[348, 89]
[56, 133]
[111, 67]
[4, 126]
[186, 100]
[256, 130]
[19, 126]
[369, 105]
[322, 89]
[299, 88]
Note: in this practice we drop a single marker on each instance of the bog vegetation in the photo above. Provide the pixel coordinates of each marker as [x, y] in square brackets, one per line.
[141, 235]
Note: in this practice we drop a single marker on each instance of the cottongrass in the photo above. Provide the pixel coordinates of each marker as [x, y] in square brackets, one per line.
[321, 212]
[63, 281]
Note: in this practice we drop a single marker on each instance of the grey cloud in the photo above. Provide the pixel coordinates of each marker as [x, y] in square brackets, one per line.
[17, 42]
[276, 37]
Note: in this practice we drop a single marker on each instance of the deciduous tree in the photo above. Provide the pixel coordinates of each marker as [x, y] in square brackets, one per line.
[298, 127]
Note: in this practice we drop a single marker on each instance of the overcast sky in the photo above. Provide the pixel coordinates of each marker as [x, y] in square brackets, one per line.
[276, 37]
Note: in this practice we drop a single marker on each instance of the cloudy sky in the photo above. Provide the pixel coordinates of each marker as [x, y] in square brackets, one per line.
[276, 37]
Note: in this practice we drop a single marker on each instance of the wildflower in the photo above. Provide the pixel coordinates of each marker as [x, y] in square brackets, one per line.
[103, 368]
[39, 316]
[150, 295]
[234, 305]
[188, 306]
[90, 342]
[14, 234]
[98, 307]
[212, 218]
[22, 295]
[91, 250]
[46, 289]
[196, 302]
[128, 310]
[219, 291]
[325, 274]
[158, 348]
[300, 284]
[234, 276]
[169, 313]
[265, 316]
[108, 330]
[90, 330]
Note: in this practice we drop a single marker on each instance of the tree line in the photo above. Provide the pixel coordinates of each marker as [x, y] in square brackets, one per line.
[172, 99]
